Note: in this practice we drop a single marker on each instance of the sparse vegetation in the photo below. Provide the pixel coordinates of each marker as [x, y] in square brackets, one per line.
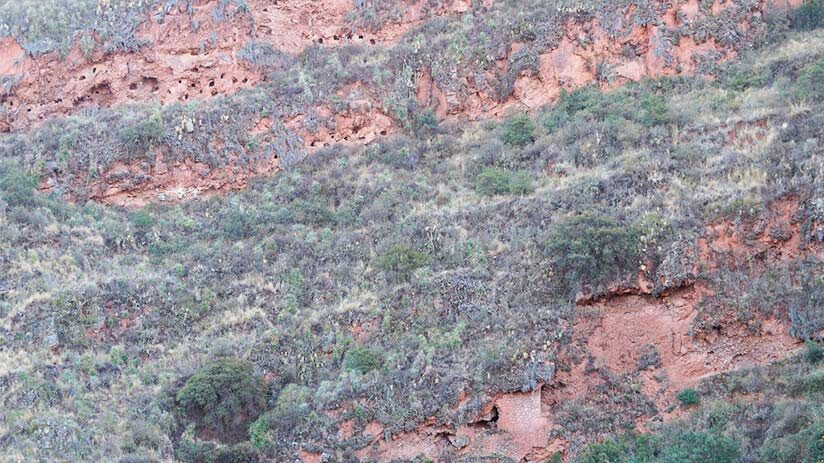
[378, 284]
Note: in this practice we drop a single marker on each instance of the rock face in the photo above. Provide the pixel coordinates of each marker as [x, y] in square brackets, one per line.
[624, 332]
[628, 330]
[182, 63]
[190, 55]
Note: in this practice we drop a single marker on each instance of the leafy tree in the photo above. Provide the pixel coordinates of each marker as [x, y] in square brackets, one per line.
[654, 110]
[143, 135]
[812, 81]
[222, 398]
[809, 15]
[669, 447]
[813, 353]
[494, 181]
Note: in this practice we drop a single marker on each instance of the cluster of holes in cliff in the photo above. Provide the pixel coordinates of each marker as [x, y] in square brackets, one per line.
[102, 89]
[151, 82]
[348, 36]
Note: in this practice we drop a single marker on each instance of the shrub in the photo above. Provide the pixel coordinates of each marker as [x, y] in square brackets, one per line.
[240, 453]
[142, 136]
[805, 302]
[142, 219]
[673, 447]
[816, 451]
[363, 359]
[17, 187]
[401, 260]
[810, 15]
[521, 183]
[238, 224]
[813, 353]
[812, 81]
[624, 449]
[698, 447]
[206, 452]
[519, 130]
[654, 110]
[286, 422]
[689, 397]
[222, 398]
[592, 249]
[813, 383]
[649, 358]
[494, 181]
[263, 56]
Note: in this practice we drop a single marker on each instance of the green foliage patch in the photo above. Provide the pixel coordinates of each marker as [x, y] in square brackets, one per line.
[222, 399]
[592, 250]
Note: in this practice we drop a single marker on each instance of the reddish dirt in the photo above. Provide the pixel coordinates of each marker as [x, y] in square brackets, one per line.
[179, 65]
[584, 48]
[175, 68]
[139, 183]
[136, 185]
[183, 64]
[615, 331]
[514, 425]
[629, 325]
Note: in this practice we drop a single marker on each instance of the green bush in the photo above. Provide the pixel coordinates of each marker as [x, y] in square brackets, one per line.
[142, 219]
[813, 383]
[363, 359]
[654, 110]
[698, 447]
[812, 81]
[669, 447]
[286, 422]
[142, 136]
[493, 181]
[189, 451]
[810, 15]
[816, 450]
[401, 260]
[519, 130]
[521, 183]
[240, 453]
[592, 249]
[17, 188]
[813, 353]
[222, 398]
[689, 397]
[624, 449]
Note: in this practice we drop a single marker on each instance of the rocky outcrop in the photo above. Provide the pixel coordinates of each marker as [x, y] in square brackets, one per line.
[626, 333]
[187, 55]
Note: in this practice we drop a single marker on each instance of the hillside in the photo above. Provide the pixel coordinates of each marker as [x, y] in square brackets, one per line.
[428, 231]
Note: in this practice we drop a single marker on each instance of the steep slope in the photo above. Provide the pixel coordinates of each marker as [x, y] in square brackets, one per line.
[190, 50]
[471, 68]
[414, 258]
